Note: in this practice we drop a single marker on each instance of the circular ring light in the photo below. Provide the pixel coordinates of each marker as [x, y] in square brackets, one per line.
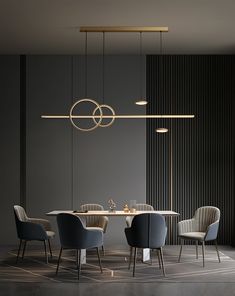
[103, 106]
[97, 123]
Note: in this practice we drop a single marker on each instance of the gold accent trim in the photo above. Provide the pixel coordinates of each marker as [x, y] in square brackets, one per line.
[110, 109]
[126, 116]
[100, 117]
[114, 29]
[97, 123]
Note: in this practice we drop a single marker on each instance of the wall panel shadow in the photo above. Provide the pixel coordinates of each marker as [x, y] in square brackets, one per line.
[192, 164]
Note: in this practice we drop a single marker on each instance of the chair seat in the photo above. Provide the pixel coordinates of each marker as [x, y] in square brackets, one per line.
[50, 234]
[194, 235]
[95, 228]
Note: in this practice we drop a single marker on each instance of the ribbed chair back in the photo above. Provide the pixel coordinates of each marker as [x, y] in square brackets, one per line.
[92, 221]
[20, 213]
[144, 207]
[205, 216]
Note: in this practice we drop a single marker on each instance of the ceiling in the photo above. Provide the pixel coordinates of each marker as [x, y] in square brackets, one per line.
[52, 26]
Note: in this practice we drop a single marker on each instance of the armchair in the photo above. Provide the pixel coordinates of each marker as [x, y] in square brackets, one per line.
[202, 227]
[29, 229]
[73, 235]
[147, 230]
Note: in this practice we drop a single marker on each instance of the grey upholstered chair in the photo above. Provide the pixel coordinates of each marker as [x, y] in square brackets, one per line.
[203, 227]
[73, 235]
[29, 229]
[147, 231]
[139, 207]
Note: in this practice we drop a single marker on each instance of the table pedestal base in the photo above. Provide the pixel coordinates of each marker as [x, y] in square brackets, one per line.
[146, 255]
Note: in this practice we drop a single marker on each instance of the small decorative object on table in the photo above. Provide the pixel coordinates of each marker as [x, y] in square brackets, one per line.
[132, 206]
[126, 209]
[112, 205]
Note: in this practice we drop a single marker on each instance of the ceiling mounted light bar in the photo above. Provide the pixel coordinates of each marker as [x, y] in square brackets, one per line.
[98, 118]
[123, 29]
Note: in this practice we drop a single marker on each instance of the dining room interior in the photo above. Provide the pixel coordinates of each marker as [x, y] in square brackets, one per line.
[117, 151]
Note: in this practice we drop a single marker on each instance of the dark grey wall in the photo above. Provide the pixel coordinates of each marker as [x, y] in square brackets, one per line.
[10, 145]
[65, 167]
[193, 164]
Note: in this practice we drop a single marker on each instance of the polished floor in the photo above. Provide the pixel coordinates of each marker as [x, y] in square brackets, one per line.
[136, 289]
[219, 284]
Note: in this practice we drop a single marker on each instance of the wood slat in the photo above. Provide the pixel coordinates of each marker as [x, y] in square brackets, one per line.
[193, 164]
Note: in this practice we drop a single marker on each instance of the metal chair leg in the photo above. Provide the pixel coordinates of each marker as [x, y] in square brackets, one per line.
[49, 244]
[196, 249]
[18, 253]
[98, 255]
[181, 247]
[161, 256]
[58, 262]
[216, 247]
[203, 253]
[77, 258]
[45, 248]
[159, 259]
[135, 255]
[79, 264]
[103, 250]
[25, 242]
[130, 257]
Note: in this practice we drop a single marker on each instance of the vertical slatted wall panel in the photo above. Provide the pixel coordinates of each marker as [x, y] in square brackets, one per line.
[193, 164]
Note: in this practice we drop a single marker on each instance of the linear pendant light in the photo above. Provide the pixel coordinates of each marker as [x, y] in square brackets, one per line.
[142, 101]
[161, 130]
[97, 118]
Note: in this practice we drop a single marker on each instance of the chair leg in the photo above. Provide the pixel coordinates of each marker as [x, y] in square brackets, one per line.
[79, 264]
[58, 262]
[45, 248]
[98, 255]
[196, 249]
[135, 255]
[77, 258]
[103, 250]
[130, 257]
[18, 253]
[49, 245]
[25, 242]
[161, 256]
[159, 259]
[217, 251]
[203, 253]
[181, 247]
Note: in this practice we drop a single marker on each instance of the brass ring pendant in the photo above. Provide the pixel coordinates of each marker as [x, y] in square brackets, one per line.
[97, 123]
[110, 109]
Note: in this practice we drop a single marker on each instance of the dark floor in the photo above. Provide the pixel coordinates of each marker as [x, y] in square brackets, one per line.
[143, 289]
[114, 289]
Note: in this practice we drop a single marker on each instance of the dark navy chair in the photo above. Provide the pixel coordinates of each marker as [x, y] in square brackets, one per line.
[29, 229]
[73, 235]
[147, 231]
